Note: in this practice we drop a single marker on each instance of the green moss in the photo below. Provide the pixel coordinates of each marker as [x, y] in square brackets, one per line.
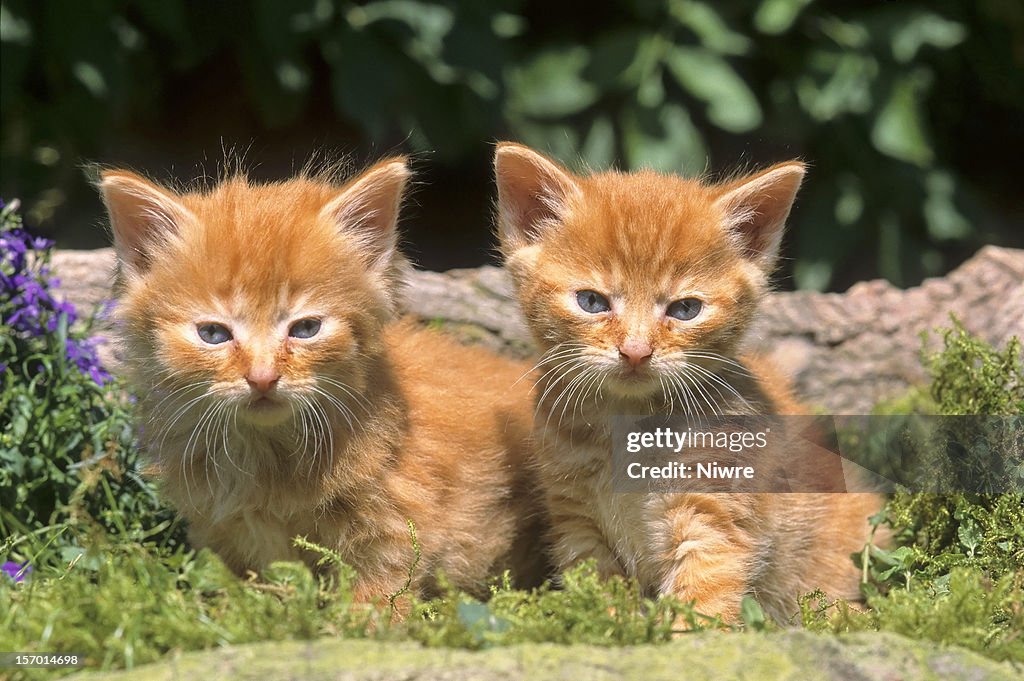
[971, 377]
[958, 530]
[585, 609]
[955, 574]
[963, 607]
[123, 605]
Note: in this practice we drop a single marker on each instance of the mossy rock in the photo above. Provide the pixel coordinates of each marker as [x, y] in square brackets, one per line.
[796, 655]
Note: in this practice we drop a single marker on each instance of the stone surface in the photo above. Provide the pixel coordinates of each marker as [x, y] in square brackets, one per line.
[845, 351]
[784, 656]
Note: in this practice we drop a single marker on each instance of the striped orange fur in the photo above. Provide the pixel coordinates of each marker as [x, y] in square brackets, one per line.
[639, 289]
[278, 397]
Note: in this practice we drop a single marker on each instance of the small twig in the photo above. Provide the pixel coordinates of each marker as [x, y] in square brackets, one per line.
[417, 553]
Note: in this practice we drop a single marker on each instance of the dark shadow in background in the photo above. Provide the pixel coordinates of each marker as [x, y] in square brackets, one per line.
[187, 119]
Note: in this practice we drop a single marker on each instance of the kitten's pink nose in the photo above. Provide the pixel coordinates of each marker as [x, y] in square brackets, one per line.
[635, 351]
[262, 379]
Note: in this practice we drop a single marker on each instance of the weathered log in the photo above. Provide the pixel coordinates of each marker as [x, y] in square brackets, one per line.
[845, 351]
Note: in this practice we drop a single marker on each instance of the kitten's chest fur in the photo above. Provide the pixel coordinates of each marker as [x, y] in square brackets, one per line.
[628, 522]
[255, 474]
[785, 544]
[576, 462]
[248, 492]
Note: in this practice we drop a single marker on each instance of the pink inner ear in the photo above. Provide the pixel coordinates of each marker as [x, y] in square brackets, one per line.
[369, 207]
[527, 208]
[141, 214]
[757, 229]
[756, 209]
[532, 191]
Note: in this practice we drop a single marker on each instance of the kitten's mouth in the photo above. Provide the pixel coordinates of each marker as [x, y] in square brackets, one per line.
[263, 403]
[634, 381]
[266, 411]
[631, 374]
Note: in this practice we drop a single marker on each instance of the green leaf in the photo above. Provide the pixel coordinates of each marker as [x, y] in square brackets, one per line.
[506, 25]
[651, 92]
[664, 139]
[925, 29]
[731, 105]
[91, 77]
[846, 34]
[14, 29]
[81, 558]
[899, 128]
[969, 536]
[623, 58]
[558, 140]
[19, 427]
[903, 557]
[429, 21]
[478, 620]
[751, 613]
[899, 561]
[599, 146]
[711, 29]
[551, 85]
[941, 215]
[775, 17]
[429, 24]
[317, 15]
[849, 201]
[847, 88]
[812, 275]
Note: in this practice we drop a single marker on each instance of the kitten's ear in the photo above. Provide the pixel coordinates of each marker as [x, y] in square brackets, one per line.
[368, 208]
[756, 208]
[533, 192]
[142, 216]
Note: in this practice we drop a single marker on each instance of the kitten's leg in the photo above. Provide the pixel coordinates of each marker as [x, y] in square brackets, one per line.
[387, 571]
[706, 558]
[244, 542]
[379, 590]
[576, 537]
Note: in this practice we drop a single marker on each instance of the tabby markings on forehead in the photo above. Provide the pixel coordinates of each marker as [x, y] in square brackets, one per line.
[247, 304]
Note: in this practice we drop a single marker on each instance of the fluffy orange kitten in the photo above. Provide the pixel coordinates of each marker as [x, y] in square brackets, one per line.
[639, 288]
[278, 399]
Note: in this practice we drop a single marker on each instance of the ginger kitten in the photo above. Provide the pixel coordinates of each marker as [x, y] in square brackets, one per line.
[638, 288]
[277, 398]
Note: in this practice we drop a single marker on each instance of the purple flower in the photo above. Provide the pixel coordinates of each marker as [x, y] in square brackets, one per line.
[84, 356]
[15, 571]
[27, 304]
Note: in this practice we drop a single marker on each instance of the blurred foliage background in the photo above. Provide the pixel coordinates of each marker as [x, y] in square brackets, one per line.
[911, 113]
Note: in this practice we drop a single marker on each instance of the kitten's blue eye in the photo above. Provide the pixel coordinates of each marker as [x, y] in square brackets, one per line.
[592, 302]
[685, 309]
[214, 334]
[304, 328]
